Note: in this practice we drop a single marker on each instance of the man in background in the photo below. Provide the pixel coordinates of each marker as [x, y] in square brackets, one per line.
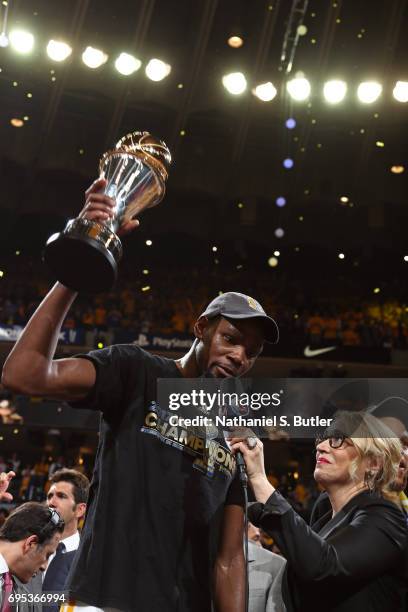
[28, 538]
[68, 495]
[265, 575]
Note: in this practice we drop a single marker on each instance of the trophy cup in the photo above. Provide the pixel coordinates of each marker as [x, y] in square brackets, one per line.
[85, 255]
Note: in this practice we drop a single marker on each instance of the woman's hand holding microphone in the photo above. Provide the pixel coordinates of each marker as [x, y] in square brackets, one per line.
[251, 449]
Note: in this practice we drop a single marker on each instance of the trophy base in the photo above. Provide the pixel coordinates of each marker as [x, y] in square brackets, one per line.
[84, 257]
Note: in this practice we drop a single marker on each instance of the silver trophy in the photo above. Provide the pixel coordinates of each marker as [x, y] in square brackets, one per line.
[85, 255]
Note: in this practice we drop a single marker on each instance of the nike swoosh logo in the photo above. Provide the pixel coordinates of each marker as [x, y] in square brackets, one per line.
[308, 352]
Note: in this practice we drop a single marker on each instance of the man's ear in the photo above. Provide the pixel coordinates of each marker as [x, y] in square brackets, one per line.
[199, 327]
[30, 543]
[80, 510]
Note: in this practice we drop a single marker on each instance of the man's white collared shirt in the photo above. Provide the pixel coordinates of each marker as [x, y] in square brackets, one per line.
[70, 543]
[3, 569]
[3, 565]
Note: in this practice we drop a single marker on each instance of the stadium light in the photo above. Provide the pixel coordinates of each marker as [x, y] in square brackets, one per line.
[397, 169]
[298, 88]
[235, 83]
[58, 50]
[400, 91]
[290, 123]
[235, 41]
[4, 40]
[369, 91]
[127, 64]
[21, 41]
[265, 92]
[94, 58]
[334, 91]
[156, 70]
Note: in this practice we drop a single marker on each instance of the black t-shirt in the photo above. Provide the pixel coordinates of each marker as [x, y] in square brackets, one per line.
[156, 500]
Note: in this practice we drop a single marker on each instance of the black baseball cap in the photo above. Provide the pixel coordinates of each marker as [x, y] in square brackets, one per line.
[395, 407]
[232, 305]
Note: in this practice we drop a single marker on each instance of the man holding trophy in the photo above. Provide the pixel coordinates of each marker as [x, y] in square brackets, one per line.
[162, 533]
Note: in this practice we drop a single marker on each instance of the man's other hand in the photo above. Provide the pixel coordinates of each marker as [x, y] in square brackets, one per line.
[4, 483]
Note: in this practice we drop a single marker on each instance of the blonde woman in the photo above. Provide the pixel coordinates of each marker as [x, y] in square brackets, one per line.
[353, 558]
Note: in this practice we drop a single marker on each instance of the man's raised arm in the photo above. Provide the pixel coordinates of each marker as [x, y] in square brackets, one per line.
[31, 368]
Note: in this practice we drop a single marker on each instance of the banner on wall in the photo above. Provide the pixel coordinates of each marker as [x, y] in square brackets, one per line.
[286, 348]
[11, 333]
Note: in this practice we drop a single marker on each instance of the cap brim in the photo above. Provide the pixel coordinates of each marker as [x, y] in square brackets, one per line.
[270, 326]
[394, 409]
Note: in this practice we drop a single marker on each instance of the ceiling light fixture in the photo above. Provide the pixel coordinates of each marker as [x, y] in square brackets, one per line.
[235, 41]
[58, 50]
[15, 122]
[400, 91]
[334, 91]
[265, 92]
[369, 91]
[235, 83]
[298, 88]
[127, 64]
[157, 70]
[21, 41]
[94, 58]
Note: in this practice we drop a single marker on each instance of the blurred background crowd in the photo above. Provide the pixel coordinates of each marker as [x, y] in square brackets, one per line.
[160, 302]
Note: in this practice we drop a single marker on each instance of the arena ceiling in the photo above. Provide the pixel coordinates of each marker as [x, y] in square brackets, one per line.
[228, 150]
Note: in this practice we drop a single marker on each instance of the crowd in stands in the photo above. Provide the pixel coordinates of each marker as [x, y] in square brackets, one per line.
[32, 480]
[169, 301]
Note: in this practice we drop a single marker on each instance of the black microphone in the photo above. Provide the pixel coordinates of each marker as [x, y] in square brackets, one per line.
[243, 476]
